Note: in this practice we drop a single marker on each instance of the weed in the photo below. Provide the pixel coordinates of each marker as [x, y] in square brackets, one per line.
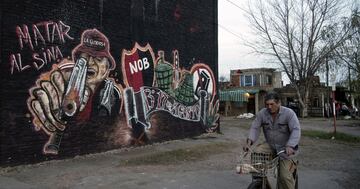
[177, 156]
[326, 135]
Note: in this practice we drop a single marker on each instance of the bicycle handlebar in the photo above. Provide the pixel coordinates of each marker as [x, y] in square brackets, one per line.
[280, 152]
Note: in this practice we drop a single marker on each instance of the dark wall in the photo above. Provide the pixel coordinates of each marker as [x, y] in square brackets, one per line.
[41, 45]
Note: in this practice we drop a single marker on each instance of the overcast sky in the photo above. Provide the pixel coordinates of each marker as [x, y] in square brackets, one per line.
[233, 28]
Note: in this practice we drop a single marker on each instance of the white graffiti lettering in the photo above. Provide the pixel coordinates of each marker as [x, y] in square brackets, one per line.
[156, 100]
[139, 65]
[50, 31]
[43, 41]
[39, 59]
[92, 42]
[15, 61]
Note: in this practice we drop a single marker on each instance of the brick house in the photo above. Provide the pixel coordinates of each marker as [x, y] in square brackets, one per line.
[246, 89]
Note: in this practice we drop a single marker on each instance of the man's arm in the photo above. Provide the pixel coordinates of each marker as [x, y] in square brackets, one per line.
[295, 131]
[255, 128]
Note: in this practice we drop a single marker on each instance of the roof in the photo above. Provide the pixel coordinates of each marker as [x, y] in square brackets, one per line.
[253, 70]
[237, 95]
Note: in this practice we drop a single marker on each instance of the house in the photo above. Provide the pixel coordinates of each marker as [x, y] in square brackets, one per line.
[246, 89]
[320, 101]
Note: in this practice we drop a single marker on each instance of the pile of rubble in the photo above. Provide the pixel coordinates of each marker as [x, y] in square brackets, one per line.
[245, 116]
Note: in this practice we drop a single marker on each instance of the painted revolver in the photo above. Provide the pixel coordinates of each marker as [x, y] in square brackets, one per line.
[74, 100]
[75, 97]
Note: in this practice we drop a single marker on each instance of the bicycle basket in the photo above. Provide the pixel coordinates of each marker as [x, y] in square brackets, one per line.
[263, 162]
[244, 166]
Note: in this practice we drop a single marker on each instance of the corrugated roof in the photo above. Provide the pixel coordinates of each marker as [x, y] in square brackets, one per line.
[237, 95]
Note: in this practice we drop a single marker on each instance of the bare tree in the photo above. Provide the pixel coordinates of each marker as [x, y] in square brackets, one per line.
[291, 31]
[349, 53]
[349, 50]
[223, 78]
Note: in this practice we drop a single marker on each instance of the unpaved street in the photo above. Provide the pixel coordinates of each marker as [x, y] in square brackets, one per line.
[327, 164]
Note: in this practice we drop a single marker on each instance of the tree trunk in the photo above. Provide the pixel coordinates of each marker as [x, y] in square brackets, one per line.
[303, 97]
[304, 112]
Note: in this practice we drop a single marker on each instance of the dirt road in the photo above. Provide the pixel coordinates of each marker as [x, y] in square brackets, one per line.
[326, 164]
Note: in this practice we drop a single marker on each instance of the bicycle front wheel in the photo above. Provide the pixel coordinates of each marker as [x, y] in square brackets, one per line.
[257, 184]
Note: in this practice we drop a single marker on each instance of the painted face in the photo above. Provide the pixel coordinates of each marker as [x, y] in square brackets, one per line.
[272, 106]
[97, 71]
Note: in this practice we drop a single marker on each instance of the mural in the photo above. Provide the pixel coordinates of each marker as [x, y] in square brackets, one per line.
[78, 90]
[83, 77]
[186, 95]
[75, 90]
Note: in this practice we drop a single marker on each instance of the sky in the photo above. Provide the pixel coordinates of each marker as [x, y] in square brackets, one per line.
[233, 27]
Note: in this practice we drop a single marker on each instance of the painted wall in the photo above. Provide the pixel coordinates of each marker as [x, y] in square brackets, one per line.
[81, 77]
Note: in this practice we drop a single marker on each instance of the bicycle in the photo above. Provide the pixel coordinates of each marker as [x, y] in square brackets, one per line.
[261, 164]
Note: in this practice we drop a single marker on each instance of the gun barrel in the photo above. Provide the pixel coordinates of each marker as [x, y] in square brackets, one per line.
[74, 94]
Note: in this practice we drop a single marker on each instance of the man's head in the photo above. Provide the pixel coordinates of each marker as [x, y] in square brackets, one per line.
[95, 48]
[272, 102]
[97, 68]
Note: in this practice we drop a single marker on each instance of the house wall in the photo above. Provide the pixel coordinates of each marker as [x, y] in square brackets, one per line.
[261, 78]
[236, 108]
[277, 80]
[319, 96]
[235, 80]
[261, 85]
[154, 77]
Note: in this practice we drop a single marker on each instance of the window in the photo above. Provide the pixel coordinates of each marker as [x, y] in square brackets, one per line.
[316, 102]
[247, 80]
[268, 80]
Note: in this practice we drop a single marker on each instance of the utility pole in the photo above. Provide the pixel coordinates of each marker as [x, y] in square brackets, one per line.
[327, 85]
[333, 78]
[350, 90]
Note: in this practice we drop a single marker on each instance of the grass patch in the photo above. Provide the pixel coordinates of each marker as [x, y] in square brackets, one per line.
[177, 156]
[325, 135]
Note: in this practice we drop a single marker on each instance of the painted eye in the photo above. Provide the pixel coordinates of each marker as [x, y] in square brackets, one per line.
[91, 72]
[99, 59]
[84, 55]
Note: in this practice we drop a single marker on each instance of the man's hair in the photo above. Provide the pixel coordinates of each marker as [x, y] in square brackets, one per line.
[272, 95]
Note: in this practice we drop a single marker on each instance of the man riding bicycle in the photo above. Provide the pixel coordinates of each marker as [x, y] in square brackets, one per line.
[282, 131]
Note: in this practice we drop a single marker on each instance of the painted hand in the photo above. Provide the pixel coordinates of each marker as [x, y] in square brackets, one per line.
[45, 102]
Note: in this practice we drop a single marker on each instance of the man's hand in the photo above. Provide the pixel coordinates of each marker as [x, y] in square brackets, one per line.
[246, 147]
[290, 150]
[45, 102]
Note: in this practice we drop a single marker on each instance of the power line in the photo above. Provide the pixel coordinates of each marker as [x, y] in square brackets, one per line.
[235, 4]
[229, 31]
